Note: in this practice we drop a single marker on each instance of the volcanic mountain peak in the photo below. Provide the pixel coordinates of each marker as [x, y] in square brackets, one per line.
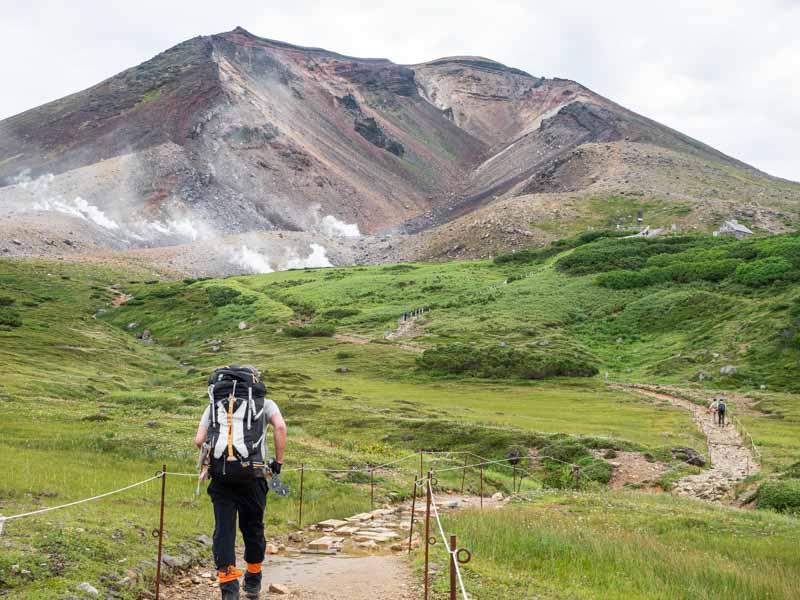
[241, 133]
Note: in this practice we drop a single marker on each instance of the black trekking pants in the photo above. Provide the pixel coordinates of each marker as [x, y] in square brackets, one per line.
[721, 417]
[248, 501]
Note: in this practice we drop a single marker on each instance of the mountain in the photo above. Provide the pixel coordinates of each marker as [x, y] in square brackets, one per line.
[461, 156]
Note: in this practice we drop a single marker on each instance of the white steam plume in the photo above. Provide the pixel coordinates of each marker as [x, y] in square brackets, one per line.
[330, 225]
[77, 208]
[252, 261]
[317, 259]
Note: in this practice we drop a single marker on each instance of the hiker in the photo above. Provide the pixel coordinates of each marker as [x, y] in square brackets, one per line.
[238, 465]
[721, 409]
[713, 406]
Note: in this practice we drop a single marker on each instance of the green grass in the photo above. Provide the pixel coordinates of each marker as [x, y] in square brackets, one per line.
[88, 407]
[625, 546]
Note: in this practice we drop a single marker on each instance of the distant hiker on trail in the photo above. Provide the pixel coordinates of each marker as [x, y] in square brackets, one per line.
[232, 435]
[713, 406]
[721, 409]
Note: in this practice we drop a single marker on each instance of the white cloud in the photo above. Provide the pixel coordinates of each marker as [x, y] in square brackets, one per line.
[723, 72]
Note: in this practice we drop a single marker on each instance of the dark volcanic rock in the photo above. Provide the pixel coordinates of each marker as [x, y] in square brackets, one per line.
[369, 129]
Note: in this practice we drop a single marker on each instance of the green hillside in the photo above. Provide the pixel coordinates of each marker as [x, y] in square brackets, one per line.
[511, 353]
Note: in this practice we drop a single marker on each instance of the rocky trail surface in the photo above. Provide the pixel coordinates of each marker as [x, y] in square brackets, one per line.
[358, 558]
[731, 460]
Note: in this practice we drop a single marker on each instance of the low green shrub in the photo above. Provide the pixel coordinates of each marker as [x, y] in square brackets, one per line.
[763, 271]
[10, 318]
[338, 313]
[310, 331]
[220, 295]
[6, 301]
[498, 362]
[783, 496]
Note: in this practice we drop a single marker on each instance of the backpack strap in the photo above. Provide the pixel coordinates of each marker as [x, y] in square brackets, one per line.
[264, 446]
[213, 413]
[250, 407]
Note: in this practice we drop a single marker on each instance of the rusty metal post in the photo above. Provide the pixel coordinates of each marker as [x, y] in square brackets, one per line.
[161, 530]
[300, 515]
[481, 486]
[420, 464]
[453, 567]
[464, 472]
[372, 489]
[514, 481]
[576, 476]
[427, 531]
[413, 508]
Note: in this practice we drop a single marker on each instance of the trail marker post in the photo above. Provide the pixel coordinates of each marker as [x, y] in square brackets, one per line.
[464, 473]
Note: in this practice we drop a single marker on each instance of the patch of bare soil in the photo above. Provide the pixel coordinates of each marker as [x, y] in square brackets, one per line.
[632, 468]
[409, 328]
[362, 340]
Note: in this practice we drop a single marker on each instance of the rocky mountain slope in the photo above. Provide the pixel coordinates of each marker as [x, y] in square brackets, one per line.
[231, 134]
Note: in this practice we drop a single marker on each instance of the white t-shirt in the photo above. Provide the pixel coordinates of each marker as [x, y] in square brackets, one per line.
[269, 406]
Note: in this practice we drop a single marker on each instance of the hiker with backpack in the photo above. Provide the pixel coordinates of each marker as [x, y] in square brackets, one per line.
[713, 406]
[721, 410]
[233, 431]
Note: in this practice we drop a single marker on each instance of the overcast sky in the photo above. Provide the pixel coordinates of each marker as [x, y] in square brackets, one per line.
[724, 71]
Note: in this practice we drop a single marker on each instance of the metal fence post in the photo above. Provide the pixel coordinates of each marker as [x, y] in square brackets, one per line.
[300, 515]
[481, 486]
[464, 473]
[413, 507]
[161, 531]
[427, 531]
[453, 567]
[372, 489]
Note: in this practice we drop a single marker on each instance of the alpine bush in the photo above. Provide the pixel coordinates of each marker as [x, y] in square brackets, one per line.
[310, 331]
[220, 295]
[498, 362]
[763, 271]
[783, 496]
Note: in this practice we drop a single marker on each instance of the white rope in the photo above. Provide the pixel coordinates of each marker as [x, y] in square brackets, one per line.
[44, 510]
[453, 553]
[364, 470]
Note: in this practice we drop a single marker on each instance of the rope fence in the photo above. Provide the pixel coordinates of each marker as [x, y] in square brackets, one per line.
[457, 556]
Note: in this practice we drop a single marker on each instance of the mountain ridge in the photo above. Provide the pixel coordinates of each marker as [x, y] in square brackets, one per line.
[239, 134]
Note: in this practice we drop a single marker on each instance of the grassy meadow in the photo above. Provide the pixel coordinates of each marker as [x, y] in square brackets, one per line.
[516, 352]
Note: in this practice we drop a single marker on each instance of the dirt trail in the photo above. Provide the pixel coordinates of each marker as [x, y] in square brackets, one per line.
[731, 461]
[362, 341]
[368, 563]
[378, 577]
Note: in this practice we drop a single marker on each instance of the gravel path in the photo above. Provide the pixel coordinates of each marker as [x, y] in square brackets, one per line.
[731, 461]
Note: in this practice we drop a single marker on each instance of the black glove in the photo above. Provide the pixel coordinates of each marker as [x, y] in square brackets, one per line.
[274, 466]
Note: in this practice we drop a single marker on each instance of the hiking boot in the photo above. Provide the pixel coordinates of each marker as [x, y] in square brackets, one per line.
[230, 590]
[252, 585]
